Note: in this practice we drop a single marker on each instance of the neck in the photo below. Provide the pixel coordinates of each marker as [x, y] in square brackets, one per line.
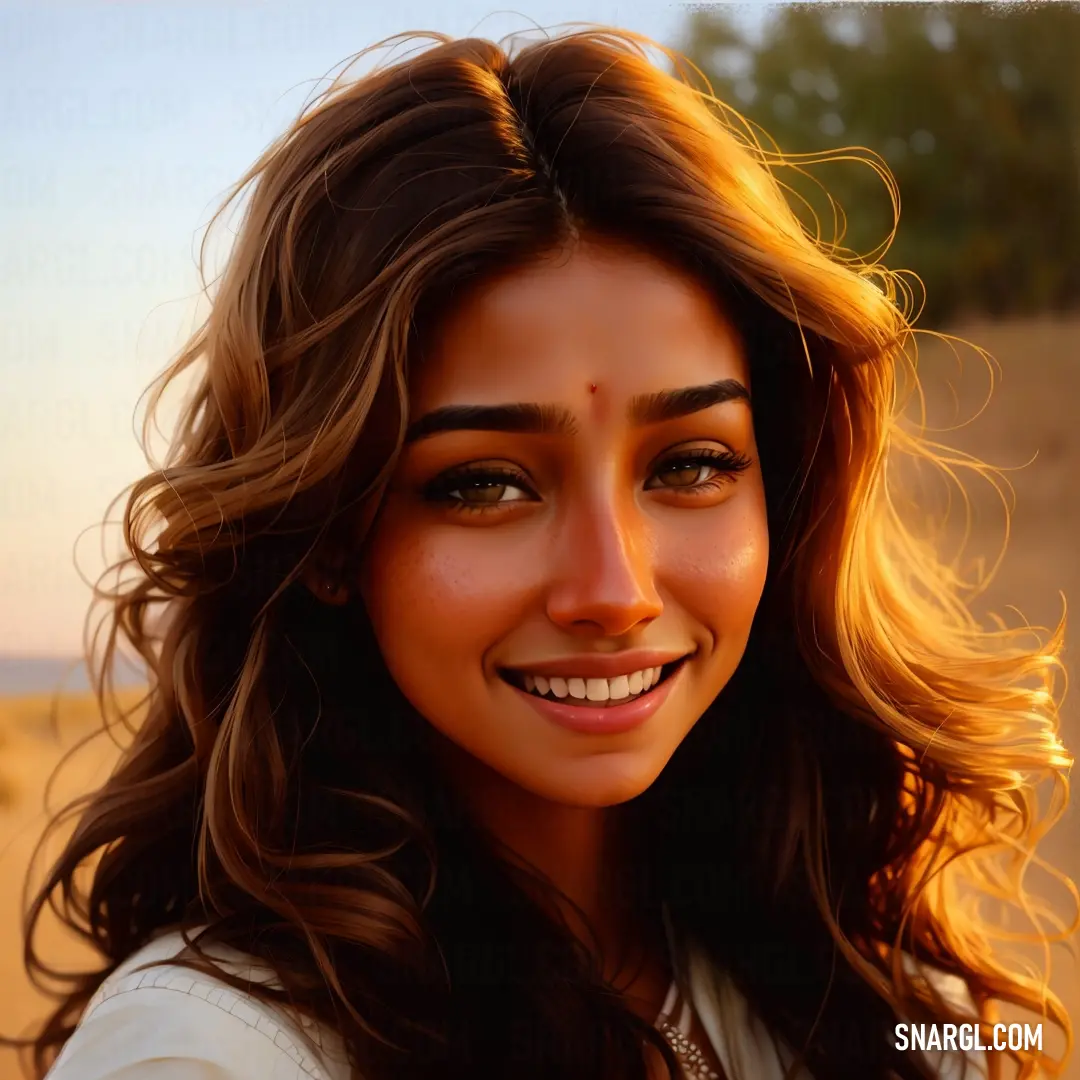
[578, 849]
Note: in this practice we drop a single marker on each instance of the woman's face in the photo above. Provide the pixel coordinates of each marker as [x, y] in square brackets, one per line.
[569, 556]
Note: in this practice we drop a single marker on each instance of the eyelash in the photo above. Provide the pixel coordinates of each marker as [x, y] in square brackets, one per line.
[728, 464]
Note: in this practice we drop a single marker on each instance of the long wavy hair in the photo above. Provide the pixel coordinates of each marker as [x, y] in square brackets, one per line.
[871, 772]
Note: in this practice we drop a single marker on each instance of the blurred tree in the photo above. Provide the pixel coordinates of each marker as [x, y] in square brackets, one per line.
[974, 107]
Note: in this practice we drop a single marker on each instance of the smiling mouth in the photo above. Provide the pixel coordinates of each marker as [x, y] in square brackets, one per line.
[593, 693]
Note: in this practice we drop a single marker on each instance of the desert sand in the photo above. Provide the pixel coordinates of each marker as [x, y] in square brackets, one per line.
[35, 734]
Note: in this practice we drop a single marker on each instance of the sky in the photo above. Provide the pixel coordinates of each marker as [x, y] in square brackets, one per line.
[122, 125]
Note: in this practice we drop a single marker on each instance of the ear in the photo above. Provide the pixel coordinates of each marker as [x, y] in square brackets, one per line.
[332, 576]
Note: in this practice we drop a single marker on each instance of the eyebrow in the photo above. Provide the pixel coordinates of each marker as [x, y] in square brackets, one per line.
[532, 419]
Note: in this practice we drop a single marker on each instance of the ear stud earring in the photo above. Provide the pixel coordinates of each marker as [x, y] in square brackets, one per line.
[335, 592]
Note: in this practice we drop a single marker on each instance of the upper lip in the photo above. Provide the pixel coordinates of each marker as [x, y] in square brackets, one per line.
[602, 666]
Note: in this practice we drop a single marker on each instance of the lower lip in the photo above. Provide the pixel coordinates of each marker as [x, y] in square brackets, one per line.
[611, 720]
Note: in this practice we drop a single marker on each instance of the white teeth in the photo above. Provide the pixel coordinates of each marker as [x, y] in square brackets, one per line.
[616, 689]
[597, 690]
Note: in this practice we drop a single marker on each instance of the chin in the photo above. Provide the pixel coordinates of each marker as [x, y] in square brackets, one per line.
[603, 780]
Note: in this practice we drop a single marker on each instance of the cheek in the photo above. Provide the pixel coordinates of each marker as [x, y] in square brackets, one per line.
[438, 597]
[718, 566]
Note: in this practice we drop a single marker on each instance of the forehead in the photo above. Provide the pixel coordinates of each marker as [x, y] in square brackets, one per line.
[602, 314]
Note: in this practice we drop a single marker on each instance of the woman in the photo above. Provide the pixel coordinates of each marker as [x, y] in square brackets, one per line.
[543, 684]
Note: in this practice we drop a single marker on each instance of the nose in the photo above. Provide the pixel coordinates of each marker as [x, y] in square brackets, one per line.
[604, 577]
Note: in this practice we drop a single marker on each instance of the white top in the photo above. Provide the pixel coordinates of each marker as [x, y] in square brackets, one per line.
[172, 1023]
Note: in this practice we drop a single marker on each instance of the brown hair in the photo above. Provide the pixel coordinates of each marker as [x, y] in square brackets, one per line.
[876, 749]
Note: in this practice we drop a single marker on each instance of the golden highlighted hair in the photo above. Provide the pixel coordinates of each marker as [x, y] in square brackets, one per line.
[870, 772]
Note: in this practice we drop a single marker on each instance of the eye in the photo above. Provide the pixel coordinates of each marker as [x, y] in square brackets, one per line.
[698, 469]
[479, 488]
[486, 487]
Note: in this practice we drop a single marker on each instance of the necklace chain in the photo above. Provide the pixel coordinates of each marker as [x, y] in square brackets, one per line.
[688, 1053]
[694, 1064]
